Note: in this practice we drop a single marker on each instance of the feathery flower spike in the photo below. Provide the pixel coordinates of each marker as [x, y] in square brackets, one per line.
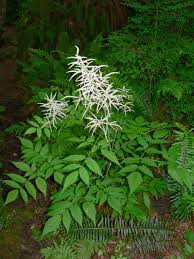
[102, 123]
[53, 110]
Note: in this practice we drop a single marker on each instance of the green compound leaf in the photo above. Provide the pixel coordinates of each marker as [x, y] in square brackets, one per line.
[74, 158]
[90, 211]
[134, 180]
[76, 213]
[11, 196]
[22, 166]
[84, 175]
[93, 166]
[41, 185]
[114, 203]
[66, 219]
[24, 195]
[51, 225]
[110, 156]
[31, 189]
[70, 179]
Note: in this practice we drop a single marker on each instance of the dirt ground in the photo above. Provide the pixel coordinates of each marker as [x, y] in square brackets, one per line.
[16, 238]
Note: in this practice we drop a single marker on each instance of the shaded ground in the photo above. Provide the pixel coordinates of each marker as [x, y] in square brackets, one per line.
[19, 220]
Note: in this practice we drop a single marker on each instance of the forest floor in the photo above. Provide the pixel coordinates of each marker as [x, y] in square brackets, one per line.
[20, 221]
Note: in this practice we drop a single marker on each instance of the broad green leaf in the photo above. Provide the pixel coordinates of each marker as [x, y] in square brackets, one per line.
[134, 180]
[66, 218]
[49, 172]
[38, 146]
[152, 150]
[186, 177]
[12, 184]
[70, 179]
[93, 166]
[44, 151]
[24, 195]
[11, 196]
[84, 144]
[60, 205]
[74, 139]
[114, 203]
[189, 236]
[94, 148]
[31, 189]
[160, 133]
[90, 211]
[22, 166]
[149, 161]
[38, 119]
[47, 133]
[174, 172]
[142, 141]
[33, 123]
[146, 200]
[84, 175]
[26, 143]
[30, 131]
[75, 158]
[188, 249]
[51, 225]
[17, 178]
[159, 141]
[77, 214]
[144, 169]
[110, 156]
[59, 177]
[131, 160]
[41, 185]
[136, 212]
[102, 198]
[39, 132]
[128, 168]
[71, 167]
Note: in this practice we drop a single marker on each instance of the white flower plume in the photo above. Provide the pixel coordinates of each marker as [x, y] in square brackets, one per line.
[94, 89]
[53, 110]
[96, 92]
[102, 123]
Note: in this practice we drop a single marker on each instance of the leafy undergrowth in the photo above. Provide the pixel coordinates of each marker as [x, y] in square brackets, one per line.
[104, 161]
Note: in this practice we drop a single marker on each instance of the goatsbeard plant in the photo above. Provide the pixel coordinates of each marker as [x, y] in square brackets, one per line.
[95, 92]
[74, 146]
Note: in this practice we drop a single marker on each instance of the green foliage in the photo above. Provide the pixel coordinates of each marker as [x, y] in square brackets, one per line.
[180, 169]
[154, 53]
[138, 236]
[71, 248]
[187, 250]
[86, 173]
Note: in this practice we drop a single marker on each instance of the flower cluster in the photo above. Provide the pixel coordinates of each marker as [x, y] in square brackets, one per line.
[94, 88]
[96, 92]
[102, 123]
[53, 110]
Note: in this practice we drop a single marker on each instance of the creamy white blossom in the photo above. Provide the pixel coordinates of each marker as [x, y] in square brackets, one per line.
[94, 88]
[97, 93]
[53, 110]
[103, 123]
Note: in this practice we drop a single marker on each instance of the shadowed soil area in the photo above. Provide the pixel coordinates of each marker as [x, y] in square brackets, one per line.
[17, 221]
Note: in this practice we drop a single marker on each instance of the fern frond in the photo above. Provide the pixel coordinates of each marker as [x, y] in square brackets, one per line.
[150, 236]
[182, 199]
[71, 248]
[147, 236]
